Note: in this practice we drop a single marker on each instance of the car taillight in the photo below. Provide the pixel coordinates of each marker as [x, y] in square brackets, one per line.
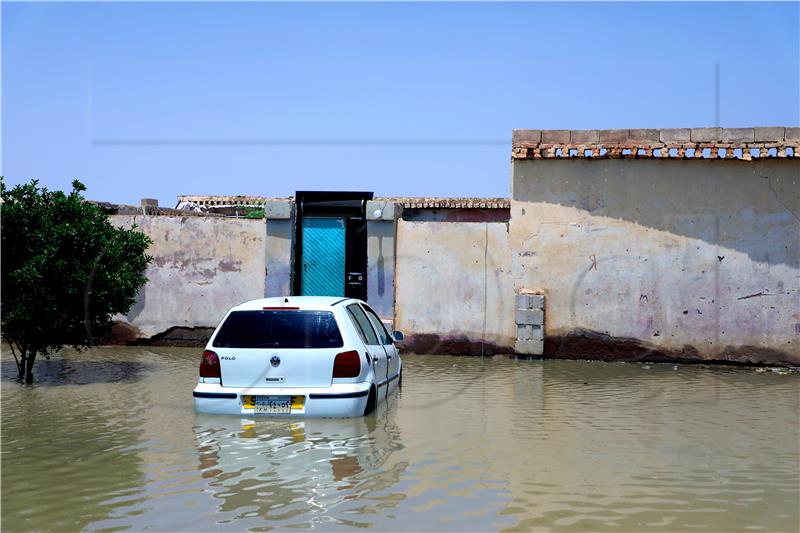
[209, 365]
[347, 365]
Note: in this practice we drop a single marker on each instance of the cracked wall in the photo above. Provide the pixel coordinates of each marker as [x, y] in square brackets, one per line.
[661, 259]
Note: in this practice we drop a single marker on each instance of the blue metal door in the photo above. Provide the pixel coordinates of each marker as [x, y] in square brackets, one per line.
[323, 256]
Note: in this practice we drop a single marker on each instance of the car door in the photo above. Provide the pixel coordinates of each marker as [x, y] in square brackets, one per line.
[375, 349]
[392, 357]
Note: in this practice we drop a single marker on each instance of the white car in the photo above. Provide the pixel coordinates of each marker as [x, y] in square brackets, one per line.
[298, 356]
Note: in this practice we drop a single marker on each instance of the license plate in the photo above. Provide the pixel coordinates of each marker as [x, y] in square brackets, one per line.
[274, 404]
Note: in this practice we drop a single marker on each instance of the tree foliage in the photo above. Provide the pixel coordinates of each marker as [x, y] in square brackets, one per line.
[254, 213]
[66, 270]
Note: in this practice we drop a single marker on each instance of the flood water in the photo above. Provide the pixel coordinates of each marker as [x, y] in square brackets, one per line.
[108, 440]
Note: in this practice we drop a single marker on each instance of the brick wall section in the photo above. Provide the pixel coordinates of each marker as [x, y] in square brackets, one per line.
[684, 143]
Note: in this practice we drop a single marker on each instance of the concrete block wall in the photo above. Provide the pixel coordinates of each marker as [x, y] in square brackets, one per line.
[661, 259]
[453, 287]
[649, 244]
[205, 264]
[202, 266]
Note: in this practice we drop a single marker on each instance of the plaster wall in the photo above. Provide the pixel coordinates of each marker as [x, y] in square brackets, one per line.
[202, 267]
[661, 259]
[453, 287]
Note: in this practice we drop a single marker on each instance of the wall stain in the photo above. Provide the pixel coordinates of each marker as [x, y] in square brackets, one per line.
[594, 345]
[431, 343]
[177, 336]
[230, 266]
[579, 344]
[122, 333]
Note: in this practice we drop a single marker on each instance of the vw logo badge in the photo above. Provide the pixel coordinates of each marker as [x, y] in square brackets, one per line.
[275, 361]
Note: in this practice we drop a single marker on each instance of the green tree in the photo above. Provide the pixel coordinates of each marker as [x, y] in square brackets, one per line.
[66, 270]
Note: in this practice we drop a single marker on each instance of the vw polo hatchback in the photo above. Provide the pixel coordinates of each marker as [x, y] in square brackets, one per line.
[298, 356]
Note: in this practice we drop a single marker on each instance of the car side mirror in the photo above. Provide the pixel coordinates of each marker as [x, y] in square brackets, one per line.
[398, 336]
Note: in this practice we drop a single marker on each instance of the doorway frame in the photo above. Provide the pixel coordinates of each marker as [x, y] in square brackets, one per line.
[350, 205]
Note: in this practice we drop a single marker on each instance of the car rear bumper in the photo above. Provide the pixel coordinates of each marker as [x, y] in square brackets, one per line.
[340, 400]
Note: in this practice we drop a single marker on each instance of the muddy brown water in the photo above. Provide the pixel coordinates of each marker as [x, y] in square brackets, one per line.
[108, 440]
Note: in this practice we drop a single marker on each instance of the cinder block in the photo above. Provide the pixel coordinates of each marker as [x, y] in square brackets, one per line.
[734, 135]
[536, 301]
[529, 333]
[529, 316]
[555, 136]
[676, 135]
[526, 138]
[532, 347]
[769, 134]
[584, 136]
[530, 301]
[277, 209]
[645, 135]
[792, 134]
[706, 135]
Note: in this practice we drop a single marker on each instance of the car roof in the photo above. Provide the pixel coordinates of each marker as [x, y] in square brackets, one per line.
[303, 302]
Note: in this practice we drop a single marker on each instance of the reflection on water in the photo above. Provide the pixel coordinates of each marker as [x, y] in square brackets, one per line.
[109, 440]
[291, 473]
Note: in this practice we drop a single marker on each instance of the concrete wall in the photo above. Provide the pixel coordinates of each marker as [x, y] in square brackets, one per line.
[381, 266]
[639, 259]
[202, 267]
[279, 246]
[661, 259]
[279, 257]
[453, 287]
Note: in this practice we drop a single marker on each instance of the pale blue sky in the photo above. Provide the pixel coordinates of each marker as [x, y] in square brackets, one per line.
[412, 99]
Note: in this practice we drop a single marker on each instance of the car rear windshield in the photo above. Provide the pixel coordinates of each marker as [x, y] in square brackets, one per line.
[279, 329]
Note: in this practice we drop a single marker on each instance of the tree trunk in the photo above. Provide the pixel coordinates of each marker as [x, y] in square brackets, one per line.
[26, 367]
[29, 370]
[16, 359]
[21, 366]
